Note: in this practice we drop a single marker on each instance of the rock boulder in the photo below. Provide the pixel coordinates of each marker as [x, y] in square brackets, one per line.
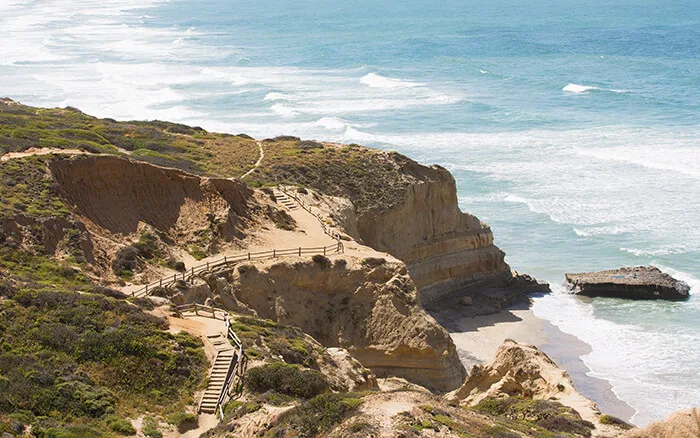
[642, 282]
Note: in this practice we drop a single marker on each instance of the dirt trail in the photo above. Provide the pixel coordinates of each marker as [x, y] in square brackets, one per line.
[308, 233]
[35, 151]
[40, 151]
[257, 163]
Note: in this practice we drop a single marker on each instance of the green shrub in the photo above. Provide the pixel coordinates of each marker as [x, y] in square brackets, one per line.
[71, 355]
[287, 379]
[614, 421]
[184, 421]
[120, 426]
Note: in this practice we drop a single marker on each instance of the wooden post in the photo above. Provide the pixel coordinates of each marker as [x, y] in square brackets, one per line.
[324, 250]
[248, 256]
[273, 254]
[300, 251]
[160, 282]
[195, 309]
[224, 259]
[146, 289]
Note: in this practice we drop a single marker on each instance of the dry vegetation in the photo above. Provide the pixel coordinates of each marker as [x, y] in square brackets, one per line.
[162, 143]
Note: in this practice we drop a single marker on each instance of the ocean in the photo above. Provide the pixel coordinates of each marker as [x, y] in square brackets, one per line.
[572, 128]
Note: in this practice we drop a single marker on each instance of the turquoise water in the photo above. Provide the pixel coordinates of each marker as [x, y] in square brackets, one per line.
[571, 127]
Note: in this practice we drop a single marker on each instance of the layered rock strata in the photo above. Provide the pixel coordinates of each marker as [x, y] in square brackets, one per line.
[448, 252]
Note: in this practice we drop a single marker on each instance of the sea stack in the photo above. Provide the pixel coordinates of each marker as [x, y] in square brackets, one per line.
[641, 283]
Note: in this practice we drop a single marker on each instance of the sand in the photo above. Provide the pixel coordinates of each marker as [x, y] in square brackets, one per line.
[478, 337]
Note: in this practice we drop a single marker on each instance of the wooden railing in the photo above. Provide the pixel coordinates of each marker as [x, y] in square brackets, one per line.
[238, 361]
[233, 370]
[335, 248]
[196, 308]
[326, 228]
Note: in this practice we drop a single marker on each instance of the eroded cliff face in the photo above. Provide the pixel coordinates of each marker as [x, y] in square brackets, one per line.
[117, 194]
[370, 311]
[444, 248]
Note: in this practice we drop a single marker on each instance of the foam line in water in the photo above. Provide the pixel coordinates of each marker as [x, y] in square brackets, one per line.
[375, 80]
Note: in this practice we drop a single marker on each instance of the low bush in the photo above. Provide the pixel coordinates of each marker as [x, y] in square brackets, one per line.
[373, 262]
[306, 145]
[286, 379]
[549, 415]
[126, 260]
[109, 292]
[72, 355]
[321, 260]
[120, 426]
[609, 419]
[184, 421]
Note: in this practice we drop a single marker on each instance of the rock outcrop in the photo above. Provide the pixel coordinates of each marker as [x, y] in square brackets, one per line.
[642, 282]
[518, 369]
[683, 424]
[371, 311]
[523, 370]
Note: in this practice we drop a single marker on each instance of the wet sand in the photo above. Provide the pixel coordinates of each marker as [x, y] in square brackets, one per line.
[478, 337]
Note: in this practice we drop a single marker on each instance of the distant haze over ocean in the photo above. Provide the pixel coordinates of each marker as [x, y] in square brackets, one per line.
[572, 128]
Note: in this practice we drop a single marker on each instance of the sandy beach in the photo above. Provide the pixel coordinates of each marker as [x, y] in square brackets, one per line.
[478, 337]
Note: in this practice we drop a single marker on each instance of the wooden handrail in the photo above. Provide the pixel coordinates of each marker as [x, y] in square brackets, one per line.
[337, 247]
[300, 201]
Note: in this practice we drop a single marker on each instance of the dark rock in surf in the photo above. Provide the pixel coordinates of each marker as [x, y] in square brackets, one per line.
[640, 283]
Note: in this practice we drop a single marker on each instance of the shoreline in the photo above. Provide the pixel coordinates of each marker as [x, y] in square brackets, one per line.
[478, 337]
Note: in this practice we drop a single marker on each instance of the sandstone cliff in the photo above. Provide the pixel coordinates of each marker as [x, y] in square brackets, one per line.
[443, 248]
[403, 208]
[369, 310]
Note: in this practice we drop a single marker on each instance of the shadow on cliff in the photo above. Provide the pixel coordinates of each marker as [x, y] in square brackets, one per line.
[458, 318]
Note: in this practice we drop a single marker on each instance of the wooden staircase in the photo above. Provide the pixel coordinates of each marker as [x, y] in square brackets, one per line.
[285, 200]
[224, 364]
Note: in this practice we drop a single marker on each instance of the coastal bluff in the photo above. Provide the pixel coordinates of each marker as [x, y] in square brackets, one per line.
[406, 209]
[642, 283]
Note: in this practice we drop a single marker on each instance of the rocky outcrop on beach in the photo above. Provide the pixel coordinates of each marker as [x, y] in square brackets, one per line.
[642, 282]
[683, 424]
[367, 306]
[521, 370]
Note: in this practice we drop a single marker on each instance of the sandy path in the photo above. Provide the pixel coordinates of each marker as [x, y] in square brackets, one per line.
[40, 151]
[308, 234]
[257, 163]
